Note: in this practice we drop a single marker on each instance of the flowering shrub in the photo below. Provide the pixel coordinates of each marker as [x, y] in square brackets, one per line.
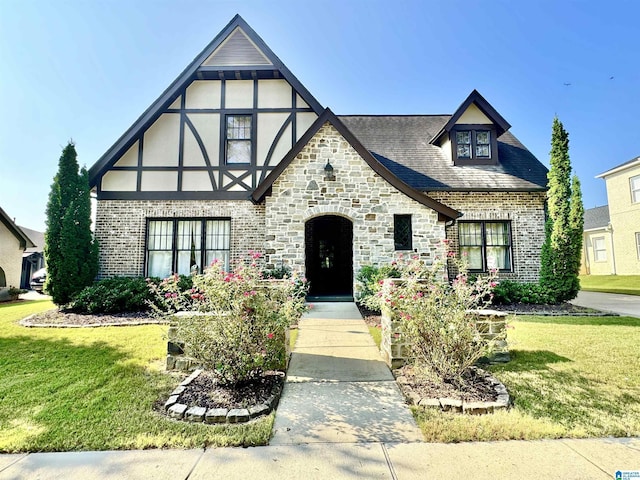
[435, 316]
[239, 321]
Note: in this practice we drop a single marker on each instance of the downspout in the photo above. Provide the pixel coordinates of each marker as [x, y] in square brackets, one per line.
[613, 253]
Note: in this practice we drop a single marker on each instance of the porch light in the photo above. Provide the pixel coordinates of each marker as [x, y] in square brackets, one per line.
[328, 172]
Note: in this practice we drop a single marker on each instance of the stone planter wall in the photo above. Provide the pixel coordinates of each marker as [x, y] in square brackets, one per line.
[396, 348]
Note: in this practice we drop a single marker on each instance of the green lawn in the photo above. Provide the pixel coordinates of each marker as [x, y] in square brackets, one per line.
[569, 377]
[94, 389]
[626, 284]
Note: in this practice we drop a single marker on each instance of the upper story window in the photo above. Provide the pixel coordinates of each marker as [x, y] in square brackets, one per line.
[238, 139]
[474, 145]
[402, 233]
[635, 189]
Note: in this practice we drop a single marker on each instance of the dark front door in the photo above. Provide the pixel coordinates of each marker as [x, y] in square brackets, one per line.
[329, 256]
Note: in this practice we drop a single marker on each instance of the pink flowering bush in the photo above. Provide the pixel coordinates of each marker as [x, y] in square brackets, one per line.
[435, 315]
[237, 321]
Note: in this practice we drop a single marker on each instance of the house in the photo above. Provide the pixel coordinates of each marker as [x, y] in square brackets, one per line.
[623, 194]
[597, 243]
[237, 155]
[33, 257]
[13, 243]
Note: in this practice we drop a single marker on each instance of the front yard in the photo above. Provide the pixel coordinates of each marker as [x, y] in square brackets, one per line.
[568, 377]
[94, 389]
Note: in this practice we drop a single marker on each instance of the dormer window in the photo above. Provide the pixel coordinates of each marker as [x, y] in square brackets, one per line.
[474, 145]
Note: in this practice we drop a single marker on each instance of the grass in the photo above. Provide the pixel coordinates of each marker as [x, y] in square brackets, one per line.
[94, 389]
[573, 377]
[625, 284]
[376, 333]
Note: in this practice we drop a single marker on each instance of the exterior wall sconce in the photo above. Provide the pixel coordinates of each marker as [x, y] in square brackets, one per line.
[329, 176]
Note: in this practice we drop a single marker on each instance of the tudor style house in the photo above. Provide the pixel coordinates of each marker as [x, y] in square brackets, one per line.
[237, 155]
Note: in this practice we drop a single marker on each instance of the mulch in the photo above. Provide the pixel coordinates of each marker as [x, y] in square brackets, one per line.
[57, 318]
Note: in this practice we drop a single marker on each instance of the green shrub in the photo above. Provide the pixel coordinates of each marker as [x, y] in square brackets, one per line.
[237, 328]
[172, 294]
[369, 283]
[442, 335]
[508, 291]
[112, 295]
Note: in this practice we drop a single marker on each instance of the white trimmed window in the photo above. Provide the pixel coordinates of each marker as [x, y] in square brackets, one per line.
[599, 249]
[638, 244]
[486, 245]
[185, 245]
[635, 189]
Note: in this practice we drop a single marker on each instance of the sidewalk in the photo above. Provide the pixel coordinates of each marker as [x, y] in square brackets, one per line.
[523, 460]
[341, 417]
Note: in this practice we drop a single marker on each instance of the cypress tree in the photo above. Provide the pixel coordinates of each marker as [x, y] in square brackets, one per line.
[558, 271]
[70, 250]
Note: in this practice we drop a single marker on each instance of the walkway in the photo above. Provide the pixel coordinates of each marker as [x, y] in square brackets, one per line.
[339, 390]
[628, 305]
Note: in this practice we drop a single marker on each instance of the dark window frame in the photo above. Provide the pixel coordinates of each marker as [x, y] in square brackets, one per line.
[250, 140]
[483, 246]
[474, 159]
[174, 240]
[402, 244]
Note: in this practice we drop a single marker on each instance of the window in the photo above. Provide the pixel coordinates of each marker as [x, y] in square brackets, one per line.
[402, 234]
[638, 244]
[474, 144]
[176, 246]
[635, 189]
[486, 245]
[238, 137]
[599, 250]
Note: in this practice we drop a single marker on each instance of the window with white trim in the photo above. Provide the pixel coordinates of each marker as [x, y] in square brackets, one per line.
[638, 244]
[486, 245]
[185, 245]
[635, 189]
[599, 249]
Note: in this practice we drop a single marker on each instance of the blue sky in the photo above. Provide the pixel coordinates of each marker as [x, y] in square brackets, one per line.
[86, 69]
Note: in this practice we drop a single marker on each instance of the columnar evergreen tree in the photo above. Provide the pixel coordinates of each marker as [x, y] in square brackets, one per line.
[71, 252]
[560, 259]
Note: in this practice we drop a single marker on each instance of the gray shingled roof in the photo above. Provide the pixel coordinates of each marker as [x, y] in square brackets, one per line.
[401, 143]
[597, 217]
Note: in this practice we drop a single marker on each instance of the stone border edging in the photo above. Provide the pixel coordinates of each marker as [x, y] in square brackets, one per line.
[25, 322]
[565, 314]
[503, 400]
[180, 411]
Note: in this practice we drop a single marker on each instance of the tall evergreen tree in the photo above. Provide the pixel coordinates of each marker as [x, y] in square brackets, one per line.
[70, 250]
[559, 264]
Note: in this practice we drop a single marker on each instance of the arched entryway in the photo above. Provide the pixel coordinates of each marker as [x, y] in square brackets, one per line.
[329, 257]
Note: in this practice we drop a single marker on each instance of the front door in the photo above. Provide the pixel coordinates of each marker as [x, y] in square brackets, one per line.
[329, 256]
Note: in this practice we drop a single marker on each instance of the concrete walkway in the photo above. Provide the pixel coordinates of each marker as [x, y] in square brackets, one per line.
[339, 390]
[597, 459]
[628, 305]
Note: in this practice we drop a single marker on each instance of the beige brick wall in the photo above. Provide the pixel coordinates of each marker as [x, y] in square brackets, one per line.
[357, 193]
[10, 257]
[625, 220]
[525, 210]
[121, 228]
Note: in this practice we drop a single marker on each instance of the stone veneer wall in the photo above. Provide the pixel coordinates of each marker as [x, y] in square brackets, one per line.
[525, 210]
[121, 228]
[357, 193]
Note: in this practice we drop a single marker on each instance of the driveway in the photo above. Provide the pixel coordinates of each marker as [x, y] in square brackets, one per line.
[628, 305]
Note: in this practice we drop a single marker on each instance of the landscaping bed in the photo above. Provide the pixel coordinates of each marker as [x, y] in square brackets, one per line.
[57, 318]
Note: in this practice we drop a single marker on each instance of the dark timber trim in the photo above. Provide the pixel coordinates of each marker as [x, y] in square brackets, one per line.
[192, 72]
[328, 116]
[500, 123]
[169, 195]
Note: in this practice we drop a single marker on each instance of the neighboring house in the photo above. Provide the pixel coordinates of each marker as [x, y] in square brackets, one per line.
[13, 243]
[33, 257]
[237, 155]
[623, 193]
[597, 246]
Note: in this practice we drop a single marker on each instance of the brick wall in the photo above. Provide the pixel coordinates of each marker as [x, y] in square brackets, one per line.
[121, 228]
[525, 210]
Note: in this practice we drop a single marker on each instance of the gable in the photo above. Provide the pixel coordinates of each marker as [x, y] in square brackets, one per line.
[178, 148]
[473, 115]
